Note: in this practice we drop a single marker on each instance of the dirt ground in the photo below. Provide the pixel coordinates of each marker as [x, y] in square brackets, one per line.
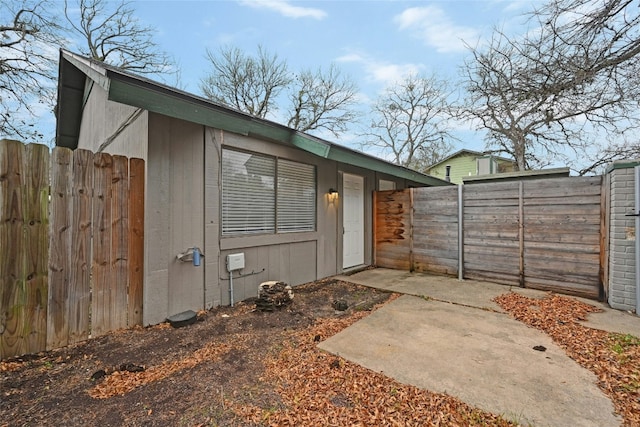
[234, 367]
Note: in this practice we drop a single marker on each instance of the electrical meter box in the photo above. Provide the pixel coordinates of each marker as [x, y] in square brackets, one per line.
[235, 262]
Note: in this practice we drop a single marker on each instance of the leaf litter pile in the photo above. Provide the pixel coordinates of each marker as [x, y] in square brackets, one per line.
[613, 358]
[236, 366]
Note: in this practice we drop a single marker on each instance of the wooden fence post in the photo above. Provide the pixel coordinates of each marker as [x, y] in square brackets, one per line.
[460, 232]
[412, 259]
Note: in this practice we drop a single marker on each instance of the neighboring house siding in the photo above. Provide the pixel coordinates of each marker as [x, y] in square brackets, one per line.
[461, 166]
[465, 164]
[622, 269]
[118, 126]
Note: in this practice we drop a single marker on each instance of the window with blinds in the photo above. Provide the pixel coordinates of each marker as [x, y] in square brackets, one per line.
[296, 197]
[248, 193]
[263, 195]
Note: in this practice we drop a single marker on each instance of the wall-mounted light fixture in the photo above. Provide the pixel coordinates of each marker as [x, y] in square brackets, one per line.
[333, 194]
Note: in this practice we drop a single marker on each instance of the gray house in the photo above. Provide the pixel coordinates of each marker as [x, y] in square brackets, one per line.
[285, 205]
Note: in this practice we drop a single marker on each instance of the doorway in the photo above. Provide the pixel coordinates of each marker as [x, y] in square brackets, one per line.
[352, 220]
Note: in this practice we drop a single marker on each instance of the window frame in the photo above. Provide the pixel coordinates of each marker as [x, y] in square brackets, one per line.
[276, 195]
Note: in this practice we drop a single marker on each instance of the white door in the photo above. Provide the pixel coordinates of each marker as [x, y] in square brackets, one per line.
[352, 220]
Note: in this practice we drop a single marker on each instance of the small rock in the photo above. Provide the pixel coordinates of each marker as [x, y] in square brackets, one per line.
[98, 375]
[317, 338]
[335, 364]
[540, 348]
[340, 305]
[130, 367]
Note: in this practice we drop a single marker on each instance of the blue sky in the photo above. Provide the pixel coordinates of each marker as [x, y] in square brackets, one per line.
[374, 42]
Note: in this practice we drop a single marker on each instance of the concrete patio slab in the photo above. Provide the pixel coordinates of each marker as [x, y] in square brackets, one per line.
[475, 293]
[482, 357]
[447, 335]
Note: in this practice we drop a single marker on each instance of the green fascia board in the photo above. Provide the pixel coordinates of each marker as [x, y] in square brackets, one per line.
[311, 145]
[369, 162]
[133, 92]
[134, 95]
[622, 164]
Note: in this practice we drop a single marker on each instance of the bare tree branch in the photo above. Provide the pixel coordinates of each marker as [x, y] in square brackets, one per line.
[115, 36]
[410, 122]
[246, 83]
[575, 75]
[322, 101]
[28, 55]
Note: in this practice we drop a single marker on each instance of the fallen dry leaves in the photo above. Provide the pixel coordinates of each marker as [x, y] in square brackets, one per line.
[320, 389]
[122, 382]
[613, 358]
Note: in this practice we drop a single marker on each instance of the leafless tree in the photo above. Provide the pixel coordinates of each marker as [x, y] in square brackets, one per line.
[573, 75]
[262, 84]
[322, 101]
[29, 35]
[246, 83]
[409, 122]
[111, 33]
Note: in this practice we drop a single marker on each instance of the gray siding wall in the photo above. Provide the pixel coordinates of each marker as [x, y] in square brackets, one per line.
[622, 235]
[174, 217]
[123, 127]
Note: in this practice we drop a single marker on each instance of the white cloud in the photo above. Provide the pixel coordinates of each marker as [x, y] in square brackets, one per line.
[381, 72]
[285, 8]
[435, 28]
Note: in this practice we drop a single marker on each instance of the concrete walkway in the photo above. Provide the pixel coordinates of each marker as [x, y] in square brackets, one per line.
[458, 341]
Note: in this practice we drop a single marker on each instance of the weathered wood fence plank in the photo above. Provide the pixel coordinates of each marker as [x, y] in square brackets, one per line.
[136, 240]
[12, 248]
[119, 241]
[101, 295]
[80, 273]
[60, 260]
[35, 176]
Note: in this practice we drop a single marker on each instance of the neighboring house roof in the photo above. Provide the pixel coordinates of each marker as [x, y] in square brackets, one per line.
[518, 175]
[465, 152]
[137, 91]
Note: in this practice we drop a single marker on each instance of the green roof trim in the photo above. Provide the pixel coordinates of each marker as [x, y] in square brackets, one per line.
[622, 164]
[143, 93]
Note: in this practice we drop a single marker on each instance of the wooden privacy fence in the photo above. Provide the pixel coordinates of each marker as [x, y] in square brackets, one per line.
[71, 245]
[543, 234]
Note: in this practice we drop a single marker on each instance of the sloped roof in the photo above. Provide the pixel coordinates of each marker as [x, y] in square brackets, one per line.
[464, 151]
[137, 91]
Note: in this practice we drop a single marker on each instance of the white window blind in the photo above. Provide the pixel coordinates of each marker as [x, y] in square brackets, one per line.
[248, 193]
[296, 197]
[254, 200]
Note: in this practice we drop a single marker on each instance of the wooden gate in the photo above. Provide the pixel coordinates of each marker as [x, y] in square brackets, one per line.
[71, 245]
